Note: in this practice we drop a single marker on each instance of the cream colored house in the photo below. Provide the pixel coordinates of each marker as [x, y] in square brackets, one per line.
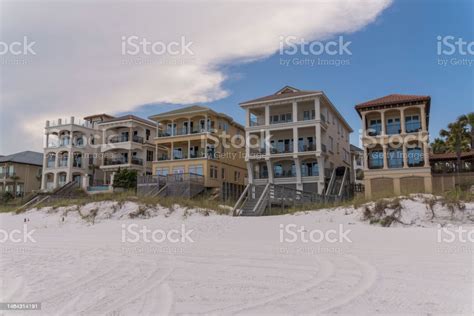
[20, 173]
[198, 140]
[71, 150]
[295, 138]
[127, 143]
[396, 144]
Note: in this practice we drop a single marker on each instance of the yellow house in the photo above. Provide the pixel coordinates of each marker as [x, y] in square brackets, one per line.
[198, 140]
[20, 173]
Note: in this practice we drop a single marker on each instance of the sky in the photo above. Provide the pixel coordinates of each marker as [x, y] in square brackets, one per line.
[80, 68]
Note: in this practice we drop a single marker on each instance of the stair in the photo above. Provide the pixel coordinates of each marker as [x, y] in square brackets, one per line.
[251, 205]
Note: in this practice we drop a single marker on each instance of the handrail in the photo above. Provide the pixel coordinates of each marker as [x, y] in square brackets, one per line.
[239, 201]
[343, 182]
[161, 190]
[264, 193]
[331, 182]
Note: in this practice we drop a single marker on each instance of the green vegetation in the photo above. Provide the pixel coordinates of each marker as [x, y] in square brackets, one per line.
[125, 179]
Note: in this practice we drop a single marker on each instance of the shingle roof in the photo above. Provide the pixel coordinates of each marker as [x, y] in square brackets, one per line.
[284, 93]
[128, 117]
[393, 99]
[24, 157]
[192, 108]
[355, 148]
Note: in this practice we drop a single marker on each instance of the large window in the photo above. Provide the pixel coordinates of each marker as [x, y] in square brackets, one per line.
[162, 171]
[375, 127]
[412, 123]
[309, 169]
[196, 169]
[393, 126]
[415, 157]
[395, 158]
[376, 159]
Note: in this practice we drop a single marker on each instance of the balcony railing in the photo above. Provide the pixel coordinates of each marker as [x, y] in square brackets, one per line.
[413, 127]
[375, 163]
[306, 147]
[62, 163]
[138, 139]
[285, 174]
[115, 161]
[118, 139]
[310, 172]
[393, 129]
[284, 150]
[374, 130]
[257, 122]
[137, 161]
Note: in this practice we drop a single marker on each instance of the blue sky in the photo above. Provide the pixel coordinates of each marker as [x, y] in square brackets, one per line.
[395, 54]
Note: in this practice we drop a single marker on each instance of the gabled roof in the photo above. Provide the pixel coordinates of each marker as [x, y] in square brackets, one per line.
[393, 99]
[192, 108]
[24, 157]
[283, 93]
[102, 115]
[128, 118]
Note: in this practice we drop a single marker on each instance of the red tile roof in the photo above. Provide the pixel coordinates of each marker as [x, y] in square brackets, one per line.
[393, 99]
[451, 156]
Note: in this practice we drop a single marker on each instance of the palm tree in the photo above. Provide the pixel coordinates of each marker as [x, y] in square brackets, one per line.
[457, 138]
[470, 121]
[438, 146]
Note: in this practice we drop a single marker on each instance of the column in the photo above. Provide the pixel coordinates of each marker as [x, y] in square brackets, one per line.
[382, 113]
[172, 151]
[295, 140]
[365, 159]
[396, 186]
[268, 144]
[299, 182]
[405, 156]
[423, 119]
[295, 111]
[156, 152]
[104, 136]
[247, 117]
[319, 139]
[250, 171]
[206, 126]
[47, 140]
[317, 109]
[130, 134]
[129, 156]
[55, 180]
[426, 154]
[189, 149]
[321, 175]
[247, 144]
[402, 121]
[172, 128]
[267, 115]
[43, 179]
[385, 161]
[364, 124]
[189, 127]
[270, 170]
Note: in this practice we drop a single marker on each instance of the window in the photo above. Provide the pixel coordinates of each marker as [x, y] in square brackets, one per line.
[196, 169]
[331, 143]
[177, 153]
[147, 133]
[223, 173]
[415, 157]
[412, 124]
[236, 176]
[213, 172]
[149, 155]
[178, 170]
[375, 127]
[376, 159]
[393, 126]
[162, 171]
[306, 115]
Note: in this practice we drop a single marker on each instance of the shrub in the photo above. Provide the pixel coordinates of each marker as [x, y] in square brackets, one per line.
[126, 179]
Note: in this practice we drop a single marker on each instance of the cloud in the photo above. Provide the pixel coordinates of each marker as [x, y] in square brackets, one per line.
[79, 68]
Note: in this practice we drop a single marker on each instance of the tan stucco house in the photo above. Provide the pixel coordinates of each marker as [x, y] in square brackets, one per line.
[22, 170]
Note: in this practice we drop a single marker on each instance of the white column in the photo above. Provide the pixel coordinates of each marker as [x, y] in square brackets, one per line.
[267, 115]
[270, 171]
[247, 117]
[55, 180]
[299, 182]
[383, 122]
[426, 154]
[295, 111]
[402, 121]
[267, 143]
[423, 119]
[321, 175]
[157, 128]
[206, 126]
[172, 151]
[405, 156]
[172, 128]
[364, 124]
[319, 139]
[317, 108]
[250, 171]
[104, 136]
[247, 144]
[385, 161]
[189, 127]
[295, 139]
[43, 179]
[189, 149]
[366, 159]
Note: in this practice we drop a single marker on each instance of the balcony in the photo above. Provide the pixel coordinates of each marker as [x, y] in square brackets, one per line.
[413, 126]
[306, 147]
[137, 161]
[115, 161]
[374, 130]
[124, 139]
[394, 129]
[284, 174]
[282, 150]
[62, 163]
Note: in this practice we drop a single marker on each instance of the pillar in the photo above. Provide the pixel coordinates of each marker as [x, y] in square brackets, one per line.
[402, 121]
[247, 146]
[321, 175]
[365, 159]
[405, 155]
[267, 115]
[189, 149]
[295, 111]
[55, 180]
[268, 144]
[299, 182]
[385, 160]
[206, 124]
[423, 119]
[317, 108]
[295, 139]
[426, 154]
[383, 122]
[172, 151]
[318, 137]
[172, 128]
[85, 182]
[250, 171]
[247, 117]
[189, 127]
[270, 170]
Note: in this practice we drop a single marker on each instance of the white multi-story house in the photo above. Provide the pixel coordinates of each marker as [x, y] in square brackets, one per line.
[357, 159]
[71, 149]
[128, 143]
[295, 138]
